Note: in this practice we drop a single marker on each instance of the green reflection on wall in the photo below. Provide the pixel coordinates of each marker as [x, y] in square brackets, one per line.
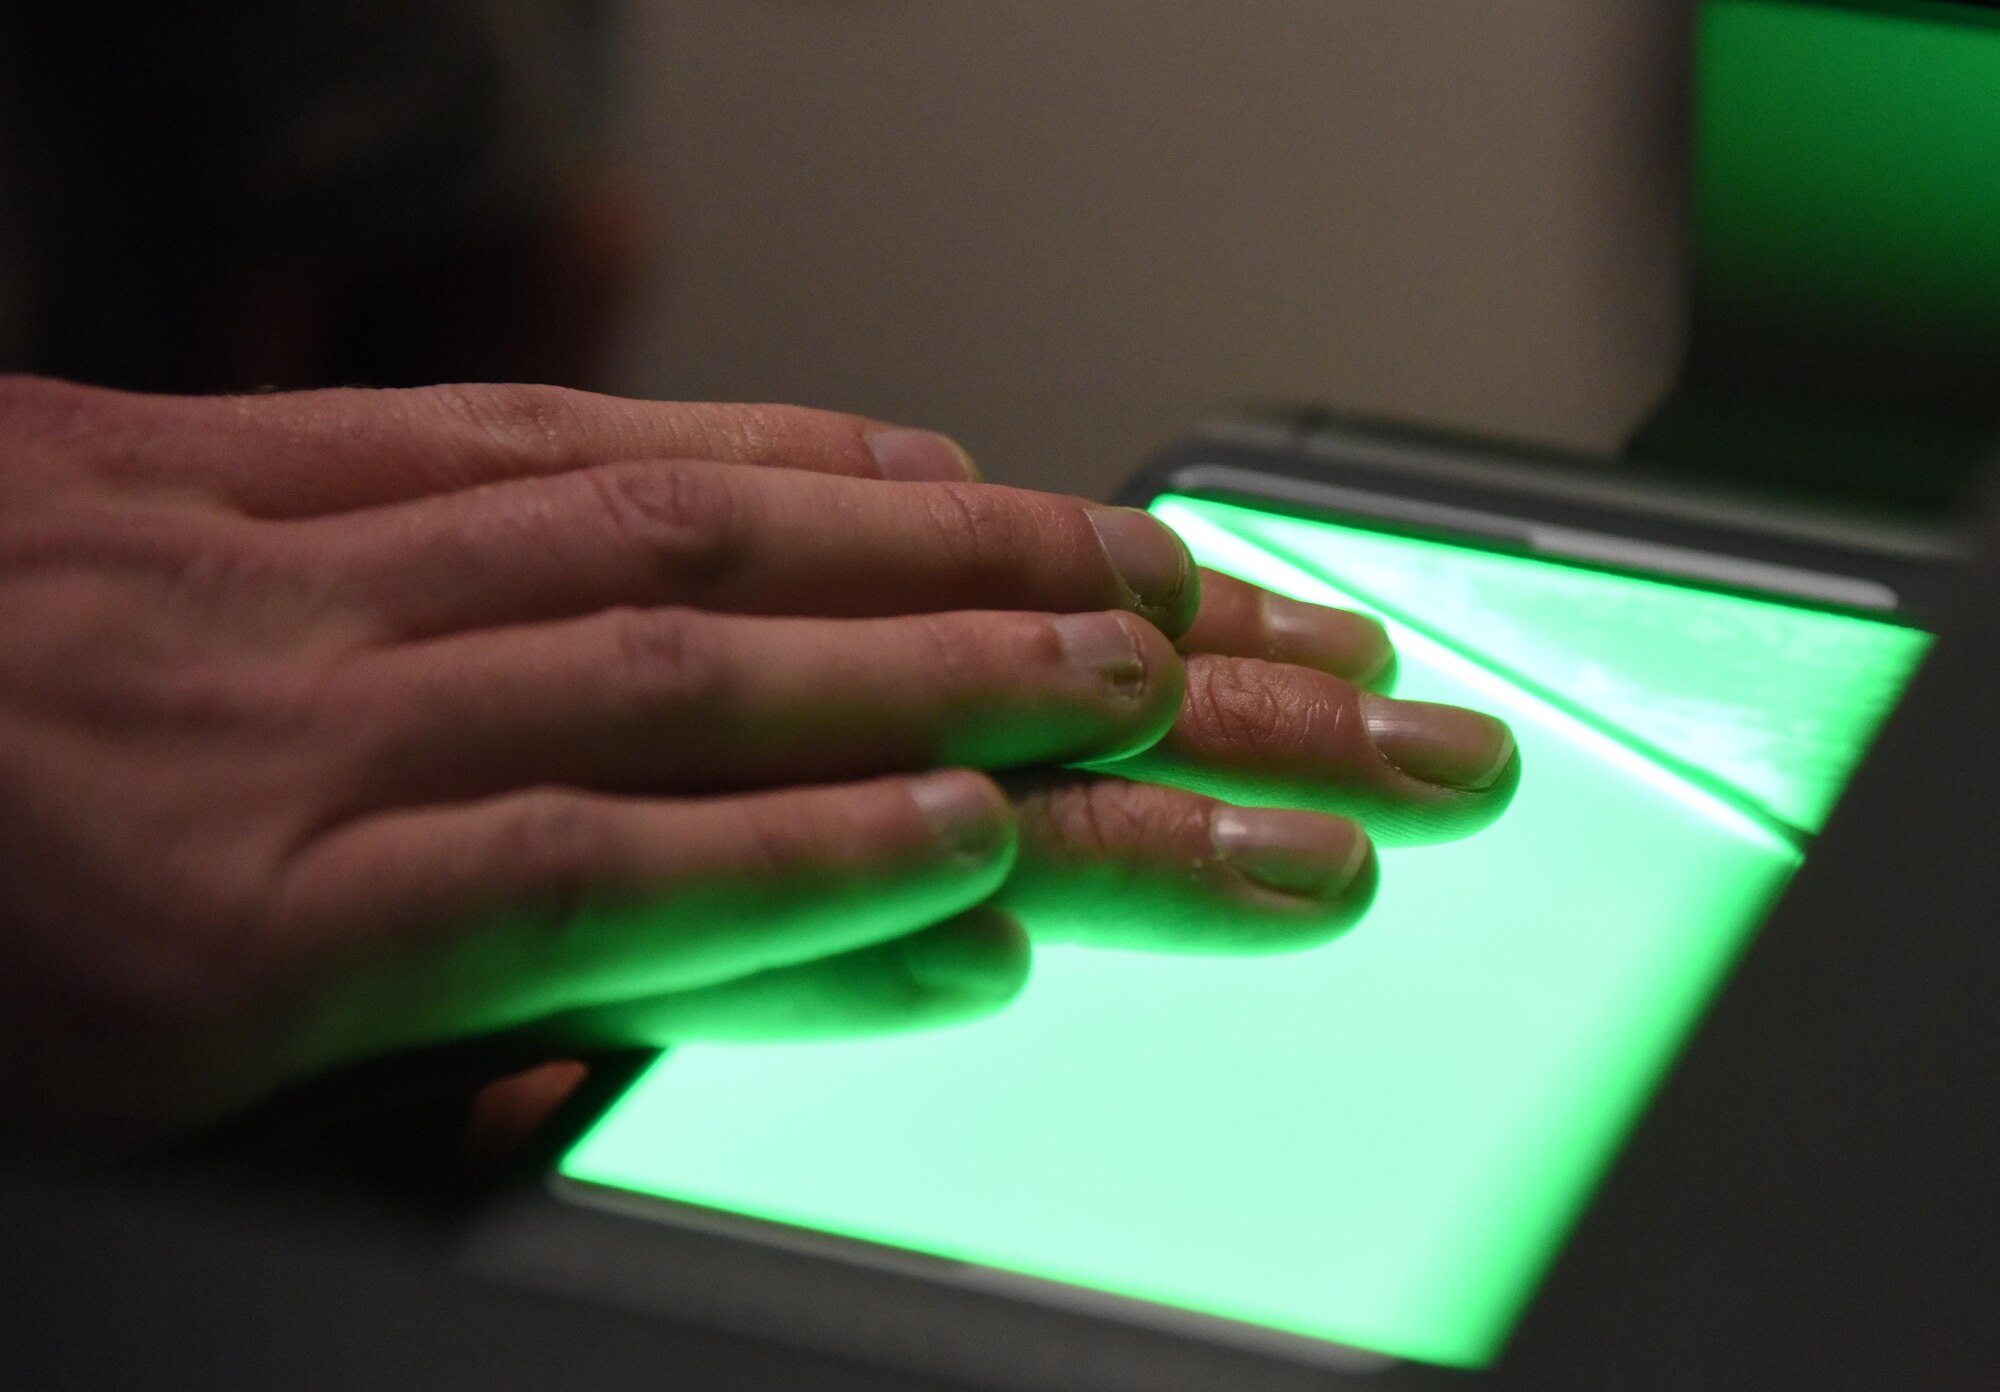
[1849, 164]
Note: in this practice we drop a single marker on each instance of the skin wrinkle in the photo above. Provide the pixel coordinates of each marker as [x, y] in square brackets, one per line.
[692, 523]
[748, 433]
[1236, 710]
[1247, 715]
[666, 666]
[1090, 821]
[516, 422]
[1004, 531]
[956, 519]
[1116, 821]
[947, 660]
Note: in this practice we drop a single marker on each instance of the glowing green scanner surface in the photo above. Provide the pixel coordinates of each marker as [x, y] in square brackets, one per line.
[1380, 1142]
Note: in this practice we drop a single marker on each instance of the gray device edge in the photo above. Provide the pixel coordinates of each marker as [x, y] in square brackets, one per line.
[1561, 543]
[973, 1325]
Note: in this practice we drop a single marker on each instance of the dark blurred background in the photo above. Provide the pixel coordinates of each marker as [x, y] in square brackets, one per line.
[240, 194]
[1061, 229]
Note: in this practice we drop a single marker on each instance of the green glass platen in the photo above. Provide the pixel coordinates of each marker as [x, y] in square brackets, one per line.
[1380, 1142]
[1766, 703]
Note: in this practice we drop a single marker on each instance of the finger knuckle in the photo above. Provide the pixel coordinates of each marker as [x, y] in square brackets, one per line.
[557, 845]
[534, 422]
[772, 432]
[954, 653]
[778, 836]
[689, 518]
[1098, 815]
[988, 532]
[1245, 703]
[668, 662]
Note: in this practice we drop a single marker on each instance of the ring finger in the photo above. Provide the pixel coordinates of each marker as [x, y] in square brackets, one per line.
[687, 701]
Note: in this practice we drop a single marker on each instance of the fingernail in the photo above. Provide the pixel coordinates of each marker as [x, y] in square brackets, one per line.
[969, 814]
[1300, 853]
[1348, 645]
[1102, 645]
[921, 456]
[957, 960]
[1150, 559]
[1447, 745]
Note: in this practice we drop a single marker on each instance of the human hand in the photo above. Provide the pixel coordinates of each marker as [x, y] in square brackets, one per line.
[336, 723]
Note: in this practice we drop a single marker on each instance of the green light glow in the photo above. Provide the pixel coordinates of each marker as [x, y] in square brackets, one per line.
[1771, 703]
[1380, 1142]
[1850, 170]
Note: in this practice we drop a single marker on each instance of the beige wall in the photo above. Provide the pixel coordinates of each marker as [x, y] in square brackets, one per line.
[1065, 229]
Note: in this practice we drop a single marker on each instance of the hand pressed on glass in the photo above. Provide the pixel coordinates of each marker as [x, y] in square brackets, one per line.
[341, 722]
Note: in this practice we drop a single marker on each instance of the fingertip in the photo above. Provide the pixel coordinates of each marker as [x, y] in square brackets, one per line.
[1177, 620]
[1449, 746]
[1340, 642]
[1310, 922]
[1304, 854]
[1359, 897]
[1321, 870]
[1377, 669]
[920, 456]
[982, 958]
[1383, 682]
[968, 813]
[1166, 688]
[1134, 674]
[1500, 792]
[1450, 814]
[1153, 563]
